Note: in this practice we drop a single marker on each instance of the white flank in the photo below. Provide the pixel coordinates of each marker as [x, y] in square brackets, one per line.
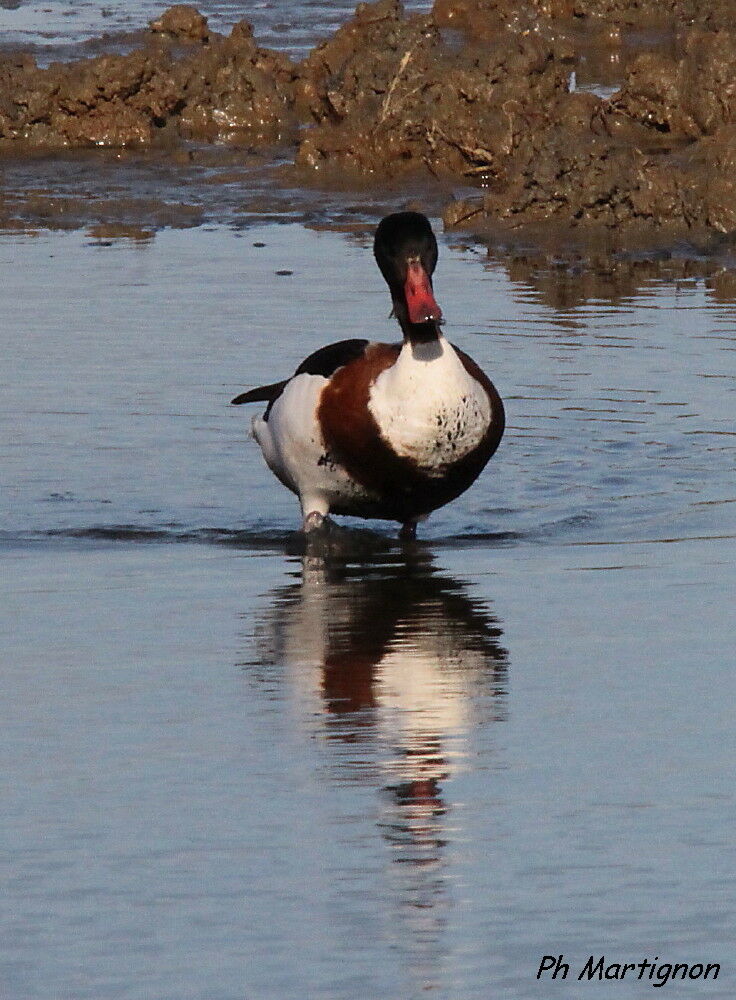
[428, 407]
[292, 444]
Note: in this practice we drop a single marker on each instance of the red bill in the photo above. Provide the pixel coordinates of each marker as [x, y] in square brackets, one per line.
[419, 296]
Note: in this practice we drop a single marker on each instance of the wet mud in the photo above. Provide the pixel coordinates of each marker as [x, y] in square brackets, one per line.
[185, 83]
[559, 116]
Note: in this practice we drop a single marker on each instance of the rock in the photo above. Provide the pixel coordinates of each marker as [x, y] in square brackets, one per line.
[182, 22]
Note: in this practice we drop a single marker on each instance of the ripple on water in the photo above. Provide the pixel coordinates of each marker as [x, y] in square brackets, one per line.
[257, 761]
[125, 435]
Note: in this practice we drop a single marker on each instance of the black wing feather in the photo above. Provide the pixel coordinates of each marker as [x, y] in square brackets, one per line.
[328, 359]
[261, 394]
[323, 362]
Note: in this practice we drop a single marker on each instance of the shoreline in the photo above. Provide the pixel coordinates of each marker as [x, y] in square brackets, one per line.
[556, 129]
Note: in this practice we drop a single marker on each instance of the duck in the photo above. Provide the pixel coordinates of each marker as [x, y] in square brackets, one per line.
[387, 431]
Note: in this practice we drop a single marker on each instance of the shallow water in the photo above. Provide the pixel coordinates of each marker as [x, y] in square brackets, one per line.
[238, 766]
[118, 378]
[58, 29]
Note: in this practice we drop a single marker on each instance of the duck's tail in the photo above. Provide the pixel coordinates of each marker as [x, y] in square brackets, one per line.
[261, 394]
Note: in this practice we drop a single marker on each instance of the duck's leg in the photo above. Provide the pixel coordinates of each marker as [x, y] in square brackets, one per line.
[313, 521]
[314, 511]
[408, 531]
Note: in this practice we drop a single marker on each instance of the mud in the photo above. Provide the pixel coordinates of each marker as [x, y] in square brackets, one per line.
[659, 154]
[607, 16]
[390, 95]
[583, 116]
[183, 22]
[184, 83]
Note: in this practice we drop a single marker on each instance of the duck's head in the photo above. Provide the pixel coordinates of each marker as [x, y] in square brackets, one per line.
[406, 252]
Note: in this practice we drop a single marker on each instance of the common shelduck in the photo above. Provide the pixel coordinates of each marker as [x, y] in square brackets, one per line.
[375, 430]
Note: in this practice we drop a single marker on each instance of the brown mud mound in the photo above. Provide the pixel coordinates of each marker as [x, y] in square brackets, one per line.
[215, 89]
[479, 91]
[390, 95]
[688, 97]
[479, 15]
[710, 13]
[659, 154]
[571, 175]
[183, 22]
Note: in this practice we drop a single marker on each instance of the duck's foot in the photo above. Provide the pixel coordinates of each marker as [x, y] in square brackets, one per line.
[408, 531]
[314, 521]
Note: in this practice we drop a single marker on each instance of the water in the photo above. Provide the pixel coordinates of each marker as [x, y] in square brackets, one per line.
[236, 766]
[118, 378]
[58, 29]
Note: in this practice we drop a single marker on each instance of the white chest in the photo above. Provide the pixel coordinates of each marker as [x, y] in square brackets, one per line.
[428, 408]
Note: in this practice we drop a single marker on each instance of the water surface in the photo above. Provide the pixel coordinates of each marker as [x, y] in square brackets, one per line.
[58, 29]
[239, 766]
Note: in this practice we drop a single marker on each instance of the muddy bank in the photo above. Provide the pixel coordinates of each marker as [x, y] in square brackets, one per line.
[391, 95]
[595, 14]
[660, 153]
[184, 83]
[494, 95]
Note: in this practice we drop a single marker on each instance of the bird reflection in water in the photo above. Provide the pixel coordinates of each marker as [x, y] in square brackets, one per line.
[397, 662]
